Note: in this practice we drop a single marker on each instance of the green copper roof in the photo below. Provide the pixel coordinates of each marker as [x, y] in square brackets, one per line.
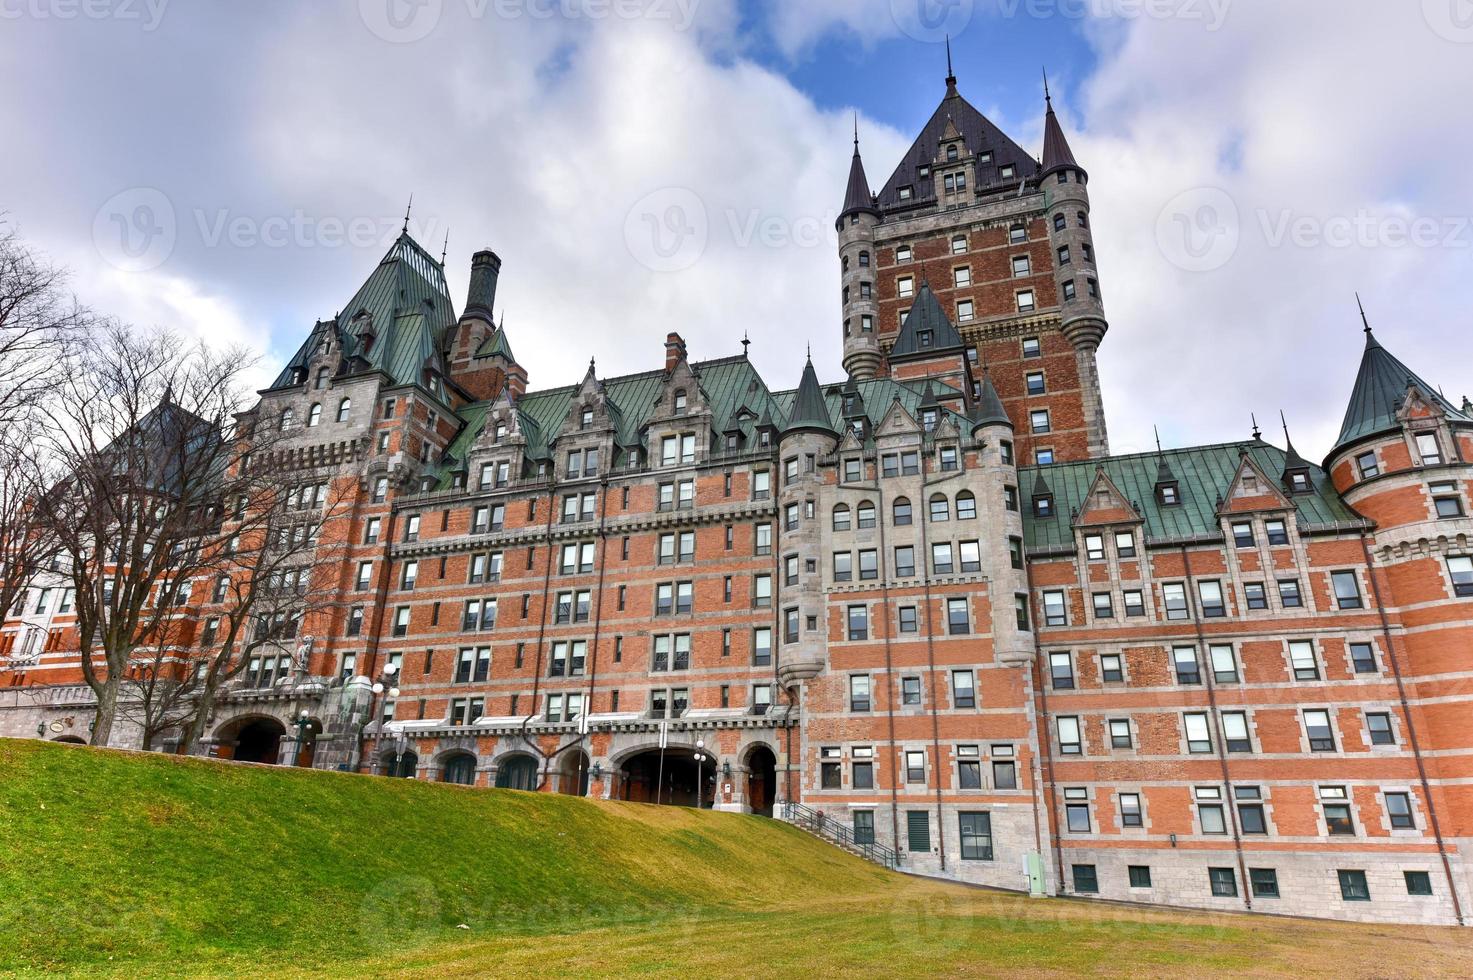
[810, 411]
[406, 303]
[989, 408]
[496, 344]
[926, 327]
[1380, 388]
[1203, 474]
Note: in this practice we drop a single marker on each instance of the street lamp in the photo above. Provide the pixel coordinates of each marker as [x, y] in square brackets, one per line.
[303, 723]
[700, 785]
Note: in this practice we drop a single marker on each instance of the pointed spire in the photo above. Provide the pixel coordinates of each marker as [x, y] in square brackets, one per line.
[445, 250]
[950, 75]
[1056, 152]
[1257, 432]
[1164, 472]
[1041, 487]
[1380, 390]
[1292, 460]
[810, 408]
[745, 343]
[989, 409]
[857, 195]
[926, 316]
[1047, 99]
[410, 207]
[1364, 321]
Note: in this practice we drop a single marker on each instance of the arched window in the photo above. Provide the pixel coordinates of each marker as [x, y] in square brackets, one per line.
[966, 506]
[314, 415]
[398, 766]
[864, 260]
[344, 407]
[902, 511]
[951, 152]
[841, 517]
[459, 768]
[866, 514]
[517, 772]
[844, 264]
[940, 508]
[288, 417]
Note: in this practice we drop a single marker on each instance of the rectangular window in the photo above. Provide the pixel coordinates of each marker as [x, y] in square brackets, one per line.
[905, 562]
[1104, 607]
[1061, 671]
[1378, 724]
[1184, 661]
[1175, 596]
[1254, 595]
[1210, 593]
[1140, 875]
[1076, 810]
[1111, 671]
[1277, 533]
[1224, 882]
[1399, 809]
[1302, 658]
[1460, 568]
[1418, 882]
[976, 836]
[858, 622]
[941, 559]
[1209, 809]
[843, 567]
[1289, 594]
[1363, 658]
[859, 692]
[1264, 882]
[1224, 666]
[1086, 882]
[1235, 731]
[1446, 499]
[958, 619]
[915, 767]
[1317, 730]
[1119, 733]
[963, 691]
[908, 623]
[1335, 803]
[1135, 602]
[1347, 590]
[1243, 535]
[1428, 450]
[910, 691]
[1130, 812]
[1198, 732]
[1054, 610]
[1353, 887]
[1069, 739]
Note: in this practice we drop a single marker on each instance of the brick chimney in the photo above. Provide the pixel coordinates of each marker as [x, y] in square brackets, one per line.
[674, 351]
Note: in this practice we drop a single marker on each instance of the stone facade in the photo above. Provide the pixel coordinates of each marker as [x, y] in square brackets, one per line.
[924, 601]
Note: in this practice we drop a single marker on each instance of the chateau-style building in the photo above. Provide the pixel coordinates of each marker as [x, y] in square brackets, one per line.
[922, 599]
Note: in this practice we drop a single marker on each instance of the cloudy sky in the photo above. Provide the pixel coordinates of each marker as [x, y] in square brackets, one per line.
[235, 170]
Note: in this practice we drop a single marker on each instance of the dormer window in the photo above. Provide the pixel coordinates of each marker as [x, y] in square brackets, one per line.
[586, 418]
[929, 417]
[321, 378]
[1043, 506]
[951, 151]
[857, 426]
[955, 183]
[924, 173]
[905, 193]
[924, 338]
[1428, 450]
[985, 156]
[680, 400]
[1299, 482]
[500, 432]
[1008, 172]
[1168, 494]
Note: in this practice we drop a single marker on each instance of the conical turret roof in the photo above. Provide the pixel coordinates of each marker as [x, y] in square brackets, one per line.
[810, 408]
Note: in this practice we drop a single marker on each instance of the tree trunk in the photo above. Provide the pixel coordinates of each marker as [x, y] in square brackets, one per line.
[107, 712]
[200, 718]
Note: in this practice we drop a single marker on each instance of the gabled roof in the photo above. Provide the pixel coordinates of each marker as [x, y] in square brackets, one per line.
[407, 304]
[925, 314]
[1203, 475]
[809, 408]
[977, 132]
[496, 344]
[1380, 389]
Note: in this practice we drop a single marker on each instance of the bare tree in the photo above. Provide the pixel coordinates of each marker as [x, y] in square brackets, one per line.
[37, 317]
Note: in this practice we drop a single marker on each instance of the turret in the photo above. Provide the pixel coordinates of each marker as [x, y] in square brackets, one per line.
[992, 435]
[856, 227]
[809, 432]
[1075, 275]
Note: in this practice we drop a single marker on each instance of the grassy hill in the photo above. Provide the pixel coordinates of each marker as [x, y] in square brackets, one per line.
[147, 864]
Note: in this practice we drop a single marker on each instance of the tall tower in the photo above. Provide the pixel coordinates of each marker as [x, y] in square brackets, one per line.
[1065, 186]
[856, 224]
[1004, 244]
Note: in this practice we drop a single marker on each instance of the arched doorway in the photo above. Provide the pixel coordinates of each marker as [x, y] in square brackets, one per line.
[573, 774]
[761, 780]
[398, 765]
[517, 772]
[646, 779]
[459, 768]
[69, 740]
[259, 741]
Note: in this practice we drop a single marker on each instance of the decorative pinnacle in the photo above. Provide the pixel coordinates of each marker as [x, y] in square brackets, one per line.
[856, 132]
[444, 251]
[1364, 322]
[950, 75]
[1046, 98]
[1158, 439]
[410, 207]
[745, 343]
[1257, 432]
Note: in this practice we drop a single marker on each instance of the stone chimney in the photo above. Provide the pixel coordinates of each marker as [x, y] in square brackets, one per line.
[674, 351]
[481, 298]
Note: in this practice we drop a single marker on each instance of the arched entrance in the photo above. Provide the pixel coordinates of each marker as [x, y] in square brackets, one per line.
[573, 774]
[397, 765]
[459, 768]
[645, 779]
[517, 772]
[259, 740]
[761, 780]
[69, 740]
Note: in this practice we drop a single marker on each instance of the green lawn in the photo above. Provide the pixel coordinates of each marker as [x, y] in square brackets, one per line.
[153, 865]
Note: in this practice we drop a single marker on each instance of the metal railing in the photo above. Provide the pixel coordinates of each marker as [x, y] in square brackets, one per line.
[835, 831]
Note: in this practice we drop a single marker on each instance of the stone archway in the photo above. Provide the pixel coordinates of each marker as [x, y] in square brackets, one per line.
[646, 778]
[258, 740]
[517, 772]
[459, 768]
[573, 774]
[761, 780]
[69, 740]
[399, 765]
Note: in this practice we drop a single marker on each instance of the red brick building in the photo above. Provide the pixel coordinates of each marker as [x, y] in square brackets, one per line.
[923, 601]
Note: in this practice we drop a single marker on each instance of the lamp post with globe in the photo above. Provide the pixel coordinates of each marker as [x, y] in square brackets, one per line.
[386, 690]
